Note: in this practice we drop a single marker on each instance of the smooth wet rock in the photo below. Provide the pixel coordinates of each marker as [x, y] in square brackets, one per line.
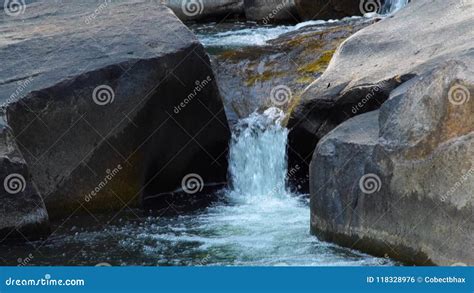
[271, 11]
[205, 10]
[23, 216]
[118, 102]
[375, 60]
[403, 186]
[338, 159]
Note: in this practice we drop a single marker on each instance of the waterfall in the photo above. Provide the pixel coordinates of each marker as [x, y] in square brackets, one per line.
[392, 6]
[258, 156]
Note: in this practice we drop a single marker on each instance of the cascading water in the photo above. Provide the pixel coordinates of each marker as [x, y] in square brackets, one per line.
[392, 6]
[257, 157]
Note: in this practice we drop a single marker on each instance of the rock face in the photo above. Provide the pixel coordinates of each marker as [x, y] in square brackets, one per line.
[118, 103]
[337, 9]
[206, 10]
[400, 181]
[23, 215]
[327, 9]
[374, 61]
[271, 11]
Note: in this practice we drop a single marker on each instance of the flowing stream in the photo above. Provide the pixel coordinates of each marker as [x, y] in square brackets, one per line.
[257, 221]
[241, 34]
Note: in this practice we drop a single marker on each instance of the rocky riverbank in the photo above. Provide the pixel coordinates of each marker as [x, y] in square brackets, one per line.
[398, 181]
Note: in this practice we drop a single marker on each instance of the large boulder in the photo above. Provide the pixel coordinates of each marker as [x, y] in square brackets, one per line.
[374, 61]
[337, 9]
[206, 10]
[118, 104]
[326, 9]
[271, 11]
[23, 216]
[399, 181]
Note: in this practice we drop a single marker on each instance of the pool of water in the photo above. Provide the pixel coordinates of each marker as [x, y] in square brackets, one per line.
[258, 221]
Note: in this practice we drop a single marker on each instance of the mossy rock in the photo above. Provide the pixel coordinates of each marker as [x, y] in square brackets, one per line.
[247, 75]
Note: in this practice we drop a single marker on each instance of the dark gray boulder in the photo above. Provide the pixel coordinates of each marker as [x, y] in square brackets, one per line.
[23, 216]
[338, 159]
[271, 11]
[206, 10]
[403, 186]
[327, 9]
[337, 9]
[118, 104]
